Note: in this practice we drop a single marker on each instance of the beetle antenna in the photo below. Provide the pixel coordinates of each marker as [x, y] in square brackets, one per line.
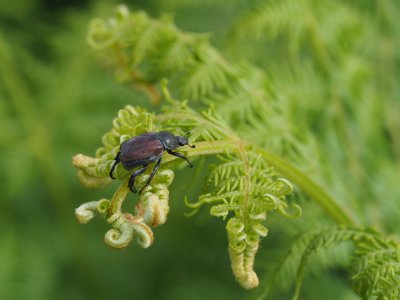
[188, 133]
[192, 146]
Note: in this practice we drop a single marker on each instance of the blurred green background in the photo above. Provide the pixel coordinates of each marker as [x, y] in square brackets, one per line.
[56, 101]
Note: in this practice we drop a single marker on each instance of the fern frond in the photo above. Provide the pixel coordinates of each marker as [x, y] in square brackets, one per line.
[248, 99]
[240, 189]
[329, 27]
[202, 79]
[271, 17]
[374, 270]
[143, 50]
[243, 187]
[177, 54]
[196, 70]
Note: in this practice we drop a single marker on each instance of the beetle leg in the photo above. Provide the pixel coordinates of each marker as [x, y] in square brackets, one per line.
[117, 160]
[131, 183]
[151, 175]
[177, 154]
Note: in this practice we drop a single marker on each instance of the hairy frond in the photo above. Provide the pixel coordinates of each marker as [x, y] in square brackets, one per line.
[242, 188]
[195, 69]
[143, 50]
[374, 270]
[271, 17]
[240, 93]
[202, 78]
[248, 189]
[317, 23]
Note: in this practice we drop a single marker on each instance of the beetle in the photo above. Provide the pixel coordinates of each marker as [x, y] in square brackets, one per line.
[142, 150]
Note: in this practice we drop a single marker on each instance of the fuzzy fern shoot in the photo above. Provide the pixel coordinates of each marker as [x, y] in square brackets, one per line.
[242, 188]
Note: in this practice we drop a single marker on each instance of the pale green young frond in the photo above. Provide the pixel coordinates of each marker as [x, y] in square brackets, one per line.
[242, 188]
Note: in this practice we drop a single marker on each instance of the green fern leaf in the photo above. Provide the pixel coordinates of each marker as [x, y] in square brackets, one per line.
[375, 264]
[272, 17]
[242, 188]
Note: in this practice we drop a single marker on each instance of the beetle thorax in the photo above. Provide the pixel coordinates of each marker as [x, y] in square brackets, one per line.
[168, 140]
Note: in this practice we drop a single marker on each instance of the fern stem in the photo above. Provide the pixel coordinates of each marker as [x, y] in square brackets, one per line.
[118, 198]
[330, 206]
[206, 148]
[298, 177]
[246, 191]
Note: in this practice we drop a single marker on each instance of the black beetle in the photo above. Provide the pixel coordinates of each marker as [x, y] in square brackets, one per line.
[144, 149]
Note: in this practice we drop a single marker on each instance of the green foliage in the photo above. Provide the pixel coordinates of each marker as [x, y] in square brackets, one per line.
[304, 92]
[203, 74]
[243, 184]
[325, 23]
[26, 272]
[374, 269]
[143, 50]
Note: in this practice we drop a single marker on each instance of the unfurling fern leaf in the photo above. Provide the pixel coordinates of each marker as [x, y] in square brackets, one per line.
[242, 188]
[247, 188]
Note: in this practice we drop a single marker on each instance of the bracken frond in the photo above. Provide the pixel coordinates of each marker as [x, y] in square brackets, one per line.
[375, 266]
[242, 188]
[375, 270]
[144, 50]
[313, 22]
[271, 17]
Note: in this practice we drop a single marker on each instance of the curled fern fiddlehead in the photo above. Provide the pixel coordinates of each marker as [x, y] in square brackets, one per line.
[242, 188]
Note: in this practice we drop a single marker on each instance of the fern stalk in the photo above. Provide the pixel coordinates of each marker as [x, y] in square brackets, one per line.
[305, 184]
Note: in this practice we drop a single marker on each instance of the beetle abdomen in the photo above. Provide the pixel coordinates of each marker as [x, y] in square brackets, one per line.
[141, 147]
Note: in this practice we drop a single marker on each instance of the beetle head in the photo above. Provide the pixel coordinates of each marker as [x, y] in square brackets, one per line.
[184, 141]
